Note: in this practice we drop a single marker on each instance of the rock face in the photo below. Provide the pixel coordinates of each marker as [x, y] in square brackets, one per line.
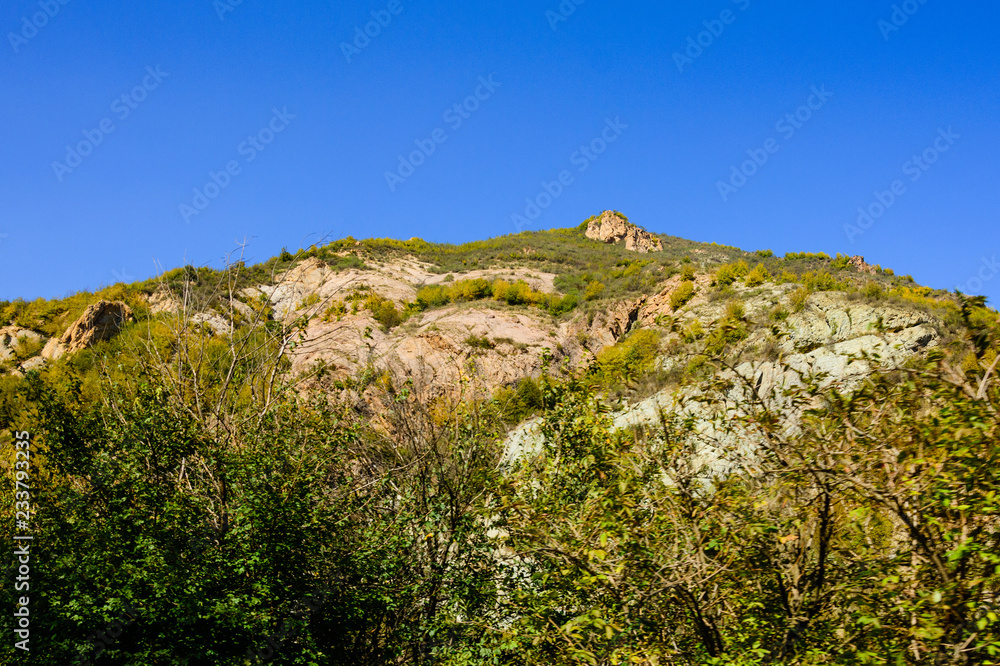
[9, 338]
[100, 321]
[612, 227]
[863, 266]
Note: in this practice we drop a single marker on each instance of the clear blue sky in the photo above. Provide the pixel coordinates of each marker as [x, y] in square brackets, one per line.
[555, 86]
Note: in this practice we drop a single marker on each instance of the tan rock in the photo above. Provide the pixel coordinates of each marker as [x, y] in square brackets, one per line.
[100, 321]
[9, 338]
[862, 266]
[612, 227]
[162, 300]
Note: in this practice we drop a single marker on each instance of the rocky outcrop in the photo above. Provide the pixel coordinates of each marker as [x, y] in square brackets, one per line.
[612, 227]
[162, 300]
[859, 263]
[11, 336]
[100, 321]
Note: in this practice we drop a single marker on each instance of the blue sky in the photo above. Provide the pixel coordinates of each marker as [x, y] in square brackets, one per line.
[192, 90]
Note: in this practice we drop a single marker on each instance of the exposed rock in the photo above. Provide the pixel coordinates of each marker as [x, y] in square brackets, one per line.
[612, 227]
[11, 335]
[100, 321]
[434, 350]
[162, 300]
[218, 325]
[862, 266]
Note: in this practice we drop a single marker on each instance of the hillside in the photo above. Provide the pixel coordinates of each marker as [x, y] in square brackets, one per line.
[595, 445]
[432, 309]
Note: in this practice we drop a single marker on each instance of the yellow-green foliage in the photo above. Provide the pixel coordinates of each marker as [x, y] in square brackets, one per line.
[807, 255]
[693, 331]
[873, 291]
[786, 277]
[682, 295]
[512, 293]
[922, 296]
[730, 273]
[731, 330]
[310, 300]
[798, 299]
[52, 317]
[629, 359]
[687, 274]
[336, 310]
[594, 290]
[758, 276]
[820, 281]
[384, 311]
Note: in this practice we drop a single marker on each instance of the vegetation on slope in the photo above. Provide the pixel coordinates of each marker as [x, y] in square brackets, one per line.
[183, 481]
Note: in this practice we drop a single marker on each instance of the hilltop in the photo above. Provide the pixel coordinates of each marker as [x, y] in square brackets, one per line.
[347, 309]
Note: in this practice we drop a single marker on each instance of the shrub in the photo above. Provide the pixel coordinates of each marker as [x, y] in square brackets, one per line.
[430, 297]
[687, 274]
[735, 311]
[841, 262]
[730, 273]
[479, 342]
[310, 300]
[728, 332]
[629, 359]
[384, 311]
[758, 276]
[558, 306]
[764, 253]
[873, 291]
[821, 281]
[681, 295]
[798, 299]
[594, 290]
[693, 331]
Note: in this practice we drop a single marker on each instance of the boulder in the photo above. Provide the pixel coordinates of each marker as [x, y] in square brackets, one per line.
[612, 227]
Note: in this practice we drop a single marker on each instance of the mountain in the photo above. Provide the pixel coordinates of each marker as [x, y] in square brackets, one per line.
[596, 445]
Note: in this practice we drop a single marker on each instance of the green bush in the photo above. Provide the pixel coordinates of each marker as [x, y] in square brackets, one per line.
[594, 290]
[681, 295]
[629, 359]
[729, 273]
[758, 276]
[799, 298]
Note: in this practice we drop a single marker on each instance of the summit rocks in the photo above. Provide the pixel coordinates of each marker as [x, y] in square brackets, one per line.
[612, 227]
